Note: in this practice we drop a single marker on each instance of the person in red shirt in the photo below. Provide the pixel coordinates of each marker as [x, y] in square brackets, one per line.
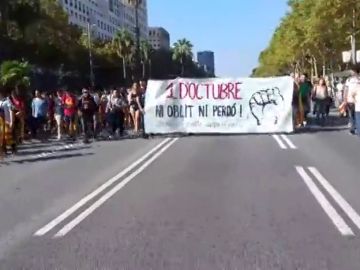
[69, 102]
[19, 110]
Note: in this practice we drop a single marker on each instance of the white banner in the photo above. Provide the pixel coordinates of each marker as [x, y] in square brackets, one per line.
[244, 105]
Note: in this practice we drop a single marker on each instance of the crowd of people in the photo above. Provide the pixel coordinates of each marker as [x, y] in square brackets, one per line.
[66, 115]
[318, 96]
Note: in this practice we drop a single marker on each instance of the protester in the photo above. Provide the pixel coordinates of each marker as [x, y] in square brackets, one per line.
[87, 108]
[356, 96]
[115, 108]
[142, 95]
[350, 85]
[133, 99]
[305, 89]
[2, 132]
[51, 112]
[339, 99]
[102, 111]
[295, 102]
[70, 108]
[124, 92]
[39, 108]
[320, 95]
[19, 111]
[59, 114]
[7, 110]
[96, 119]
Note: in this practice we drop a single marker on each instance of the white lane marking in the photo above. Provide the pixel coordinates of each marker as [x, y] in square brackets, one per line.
[345, 206]
[279, 141]
[288, 141]
[96, 192]
[68, 227]
[338, 221]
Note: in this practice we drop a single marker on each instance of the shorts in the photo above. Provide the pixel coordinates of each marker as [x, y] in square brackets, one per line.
[69, 118]
[134, 107]
[39, 121]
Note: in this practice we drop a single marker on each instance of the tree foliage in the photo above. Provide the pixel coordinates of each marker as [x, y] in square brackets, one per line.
[182, 52]
[39, 32]
[312, 34]
[15, 73]
[123, 44]
[145, 56]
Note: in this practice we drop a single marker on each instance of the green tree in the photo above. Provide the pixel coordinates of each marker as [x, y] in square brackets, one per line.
[145, 56]
[311, 35]
[24, 13]
[14, 74]
[123, 44]
[182, 52]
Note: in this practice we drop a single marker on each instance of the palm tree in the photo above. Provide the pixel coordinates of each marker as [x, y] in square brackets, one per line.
[15, 73]
[145, 53]
[123, 44]
[182, 52]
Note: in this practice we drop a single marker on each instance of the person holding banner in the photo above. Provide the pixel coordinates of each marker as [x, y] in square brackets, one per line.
[135, 106]
[305, 89]
[142, 95]
[295, 103]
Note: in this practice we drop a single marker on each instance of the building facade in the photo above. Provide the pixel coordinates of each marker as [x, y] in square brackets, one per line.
[159, 38]
[207, 60]
[106, 17]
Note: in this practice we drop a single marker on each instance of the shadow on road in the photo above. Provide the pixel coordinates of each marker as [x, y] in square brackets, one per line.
[47, 158]
[30, 145]
[38, 152]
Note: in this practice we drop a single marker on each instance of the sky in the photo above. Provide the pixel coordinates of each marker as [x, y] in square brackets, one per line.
[236, 30]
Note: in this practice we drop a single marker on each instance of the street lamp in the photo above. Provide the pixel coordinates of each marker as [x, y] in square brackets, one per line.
[136, 4]
[91, 63]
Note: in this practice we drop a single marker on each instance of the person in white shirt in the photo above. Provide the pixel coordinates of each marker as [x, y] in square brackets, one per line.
[351, 84]
[339, 93]
[356, 96]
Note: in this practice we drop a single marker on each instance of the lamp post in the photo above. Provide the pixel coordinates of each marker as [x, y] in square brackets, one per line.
[136, 4]
[91, 63]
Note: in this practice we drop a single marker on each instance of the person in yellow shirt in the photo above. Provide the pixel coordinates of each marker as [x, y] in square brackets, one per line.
[8, 112]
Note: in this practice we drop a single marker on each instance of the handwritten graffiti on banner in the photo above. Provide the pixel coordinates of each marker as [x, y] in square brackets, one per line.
[245, 105]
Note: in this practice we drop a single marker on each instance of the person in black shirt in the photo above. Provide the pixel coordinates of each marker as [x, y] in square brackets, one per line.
[87, 108]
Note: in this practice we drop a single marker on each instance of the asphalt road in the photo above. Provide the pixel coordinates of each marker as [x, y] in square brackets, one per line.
[206, 202]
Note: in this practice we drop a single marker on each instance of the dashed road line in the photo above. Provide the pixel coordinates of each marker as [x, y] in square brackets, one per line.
[334, 216]
[284, 142]
[52, 224]
[279, 141]
[345, 206]
[76, 221]
[288, 141]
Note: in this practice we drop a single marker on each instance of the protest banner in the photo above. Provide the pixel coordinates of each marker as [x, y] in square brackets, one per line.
[244, 105]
